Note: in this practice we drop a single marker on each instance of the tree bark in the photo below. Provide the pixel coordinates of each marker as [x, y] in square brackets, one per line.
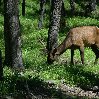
[54, 25]
[13, 53]
[42, 11]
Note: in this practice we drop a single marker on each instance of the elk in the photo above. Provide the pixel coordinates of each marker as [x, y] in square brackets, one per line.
[78, 38]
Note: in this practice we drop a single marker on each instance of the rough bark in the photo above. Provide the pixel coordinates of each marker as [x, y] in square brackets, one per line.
[54, 25]
[13, 53]
[42, 11]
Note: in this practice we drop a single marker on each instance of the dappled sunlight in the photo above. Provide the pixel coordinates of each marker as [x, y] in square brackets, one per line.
[39, 79]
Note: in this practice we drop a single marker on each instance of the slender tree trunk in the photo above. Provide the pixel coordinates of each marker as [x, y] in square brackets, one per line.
[93, 5]
[13, 54]
[90, 7]
[72, 4]
[23, 8]
[63, 14]
[54, 25]
[42, 11]
[1, 67]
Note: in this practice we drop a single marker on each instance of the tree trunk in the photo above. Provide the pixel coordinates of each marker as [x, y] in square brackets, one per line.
[1, 67]
[93, 5]
[90, 7]
[72, 4]
[54, 25]
[13, 54]
[62, 20]
[42, 11]
[23, 8]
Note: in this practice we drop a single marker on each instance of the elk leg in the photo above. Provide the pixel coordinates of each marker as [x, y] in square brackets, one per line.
[96, 51]
[82, 54]
[72, 55]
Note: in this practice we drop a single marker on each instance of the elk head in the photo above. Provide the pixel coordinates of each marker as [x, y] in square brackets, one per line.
[52, 56]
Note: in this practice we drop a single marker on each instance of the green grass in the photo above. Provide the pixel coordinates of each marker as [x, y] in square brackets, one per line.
[33, 43]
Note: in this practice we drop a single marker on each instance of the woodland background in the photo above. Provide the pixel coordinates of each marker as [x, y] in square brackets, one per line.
[30, 76]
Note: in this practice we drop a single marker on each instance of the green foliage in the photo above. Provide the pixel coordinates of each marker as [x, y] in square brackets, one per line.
[34, 56]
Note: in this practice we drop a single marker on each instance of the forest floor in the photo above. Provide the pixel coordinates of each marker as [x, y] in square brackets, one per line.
[60, 80]
[53, 91]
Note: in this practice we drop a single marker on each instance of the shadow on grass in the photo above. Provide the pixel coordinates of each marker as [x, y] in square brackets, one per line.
[19, 87]
[84, 79]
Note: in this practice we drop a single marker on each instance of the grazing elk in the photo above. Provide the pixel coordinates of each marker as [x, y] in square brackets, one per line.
[78, 38]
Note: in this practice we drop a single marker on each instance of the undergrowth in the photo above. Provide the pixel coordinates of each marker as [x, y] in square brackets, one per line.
[35, 57]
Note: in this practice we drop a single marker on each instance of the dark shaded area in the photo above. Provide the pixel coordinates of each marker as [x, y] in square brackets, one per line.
[91, 79]
[1, 67]
[31, 88]
[1, 7]
[20, 87]
[23, 7]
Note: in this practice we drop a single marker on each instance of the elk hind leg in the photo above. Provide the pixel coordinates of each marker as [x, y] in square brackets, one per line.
[72, 55]
[81, 49]
[96, 51]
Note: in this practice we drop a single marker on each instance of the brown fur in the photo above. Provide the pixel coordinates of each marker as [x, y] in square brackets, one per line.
[78, 38]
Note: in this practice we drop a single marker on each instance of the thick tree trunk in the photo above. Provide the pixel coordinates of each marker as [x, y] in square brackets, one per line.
[23, 8]
[54, 25]
[13, 54]
[42, 11]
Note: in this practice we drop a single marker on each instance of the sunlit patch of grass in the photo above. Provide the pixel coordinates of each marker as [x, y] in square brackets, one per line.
[81, 21]
[35, 60]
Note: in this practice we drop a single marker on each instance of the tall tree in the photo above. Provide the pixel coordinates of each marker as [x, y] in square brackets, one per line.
[13, 53]
[63, 14]
[54, 26]
[42, 11]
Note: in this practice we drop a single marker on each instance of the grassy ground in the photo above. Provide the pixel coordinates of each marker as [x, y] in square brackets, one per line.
[34, 58]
